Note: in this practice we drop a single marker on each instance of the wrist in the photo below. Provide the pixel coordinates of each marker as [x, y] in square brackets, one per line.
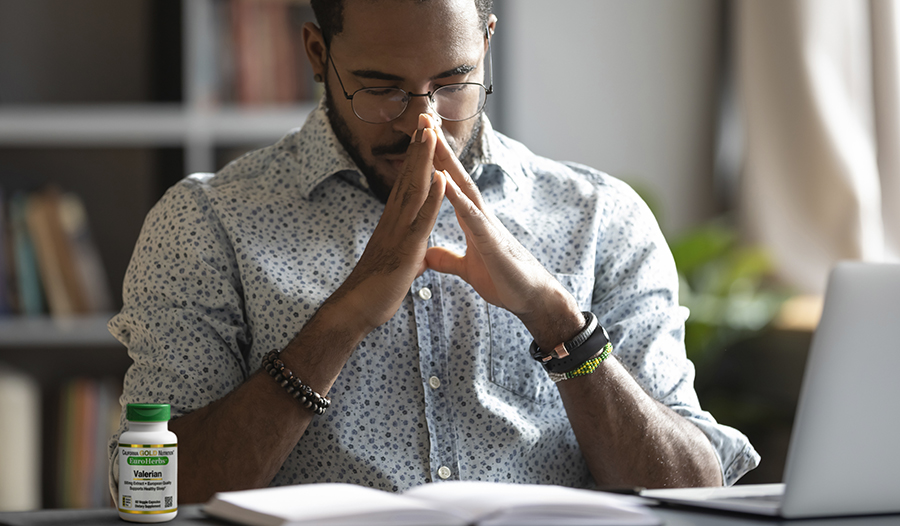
[579, 356]
[347, 313]
[323, 346]
[558, 320]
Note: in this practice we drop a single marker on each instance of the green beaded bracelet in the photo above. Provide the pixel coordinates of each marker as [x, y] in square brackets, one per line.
[586, 368]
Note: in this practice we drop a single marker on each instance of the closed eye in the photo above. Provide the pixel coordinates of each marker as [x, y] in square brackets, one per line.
[382, 92]
[452, 88]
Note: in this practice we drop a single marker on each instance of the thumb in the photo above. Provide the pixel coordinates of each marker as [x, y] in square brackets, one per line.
[446, 261]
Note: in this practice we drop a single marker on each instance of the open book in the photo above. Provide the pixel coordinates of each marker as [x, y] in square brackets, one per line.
[445, 503]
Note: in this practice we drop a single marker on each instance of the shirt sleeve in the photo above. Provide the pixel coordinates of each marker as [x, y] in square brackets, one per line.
[636, 298]
[182, 317]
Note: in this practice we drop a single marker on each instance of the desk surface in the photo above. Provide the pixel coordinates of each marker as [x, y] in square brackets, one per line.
[187, 515]
[191, 515]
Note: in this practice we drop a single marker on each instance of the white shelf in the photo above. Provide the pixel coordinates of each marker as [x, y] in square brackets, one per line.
[144, 124]
[197, 130]
[45, 331]
[197, 125]
[238, 124]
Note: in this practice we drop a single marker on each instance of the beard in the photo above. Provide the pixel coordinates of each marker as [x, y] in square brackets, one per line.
[376, 182]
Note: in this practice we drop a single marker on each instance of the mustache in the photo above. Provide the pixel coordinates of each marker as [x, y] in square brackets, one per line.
[396, 148]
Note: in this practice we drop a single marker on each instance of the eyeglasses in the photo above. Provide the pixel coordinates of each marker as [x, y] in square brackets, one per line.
[452, 102]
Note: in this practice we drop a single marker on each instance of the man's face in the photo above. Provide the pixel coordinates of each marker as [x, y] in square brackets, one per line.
[410, 45]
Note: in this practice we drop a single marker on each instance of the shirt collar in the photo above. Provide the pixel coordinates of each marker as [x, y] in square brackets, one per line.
[499, 152]
[318, 154]
[316, 151]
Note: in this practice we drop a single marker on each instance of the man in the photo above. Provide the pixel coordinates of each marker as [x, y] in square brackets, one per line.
[407, 286]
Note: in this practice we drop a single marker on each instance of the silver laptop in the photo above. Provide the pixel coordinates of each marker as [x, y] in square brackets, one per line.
[844, 454]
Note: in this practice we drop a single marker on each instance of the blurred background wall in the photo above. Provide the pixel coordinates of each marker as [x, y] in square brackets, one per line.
[630, 88]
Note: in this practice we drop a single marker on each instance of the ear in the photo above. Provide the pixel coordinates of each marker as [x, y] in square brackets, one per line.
[316, 51]
[492, 24]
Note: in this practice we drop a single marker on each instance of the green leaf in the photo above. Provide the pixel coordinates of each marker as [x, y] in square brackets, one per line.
[701, 246]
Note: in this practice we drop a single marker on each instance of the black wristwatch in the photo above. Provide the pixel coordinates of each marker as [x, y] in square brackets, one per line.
[569, 355]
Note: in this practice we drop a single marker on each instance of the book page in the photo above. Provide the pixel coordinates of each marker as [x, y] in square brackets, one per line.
[490, 503]
[325, 504]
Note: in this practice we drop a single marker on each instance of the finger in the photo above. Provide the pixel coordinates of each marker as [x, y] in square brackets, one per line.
[425, 120]
[429, 210]
[424, 223]
[445, 159]
[413, 152]
[446, 261]
[414, 183]
[471, 217]
[434, 120]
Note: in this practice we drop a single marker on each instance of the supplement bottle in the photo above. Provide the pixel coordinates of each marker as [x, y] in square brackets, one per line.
[148, 465]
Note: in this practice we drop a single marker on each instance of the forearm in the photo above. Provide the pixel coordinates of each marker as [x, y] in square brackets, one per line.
[237, 442]
[628, 438]
[241, 440]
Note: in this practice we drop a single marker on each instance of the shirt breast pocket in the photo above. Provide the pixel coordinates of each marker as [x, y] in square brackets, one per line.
[511, 366]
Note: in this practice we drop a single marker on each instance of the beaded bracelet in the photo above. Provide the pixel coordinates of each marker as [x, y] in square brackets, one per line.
[586, 368]
[595, 343]
[299, 390]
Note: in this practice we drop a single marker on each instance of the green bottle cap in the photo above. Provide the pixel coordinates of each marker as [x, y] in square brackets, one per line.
[148, 412]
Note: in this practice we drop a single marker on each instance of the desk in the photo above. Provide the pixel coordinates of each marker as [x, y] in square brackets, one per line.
[191, 515]
[685, 517]
[187, 515]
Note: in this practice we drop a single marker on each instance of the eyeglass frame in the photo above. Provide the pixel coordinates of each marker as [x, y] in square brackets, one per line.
[489, 89]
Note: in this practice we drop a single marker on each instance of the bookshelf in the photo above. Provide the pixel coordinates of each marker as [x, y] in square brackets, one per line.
[197, 131]
[115, 101]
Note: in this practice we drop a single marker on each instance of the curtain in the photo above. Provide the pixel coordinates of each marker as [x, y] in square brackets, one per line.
[819, 84]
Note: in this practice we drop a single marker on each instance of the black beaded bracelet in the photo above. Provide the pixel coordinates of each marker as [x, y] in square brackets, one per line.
[299, 390]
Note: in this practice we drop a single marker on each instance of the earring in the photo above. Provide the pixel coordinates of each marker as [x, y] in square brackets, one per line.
[318, 77]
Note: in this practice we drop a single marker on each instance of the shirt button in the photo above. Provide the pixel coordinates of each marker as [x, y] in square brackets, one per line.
[425, 293]
[434, 382]
[444, 472]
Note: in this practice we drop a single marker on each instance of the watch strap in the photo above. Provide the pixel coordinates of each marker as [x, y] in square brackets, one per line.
[564, 349]
[594, 344]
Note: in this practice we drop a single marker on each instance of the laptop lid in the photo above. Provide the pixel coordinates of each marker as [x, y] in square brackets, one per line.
[842, 458]
[843, 454]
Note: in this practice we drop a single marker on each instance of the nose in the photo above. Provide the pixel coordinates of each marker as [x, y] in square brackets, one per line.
[408, 122]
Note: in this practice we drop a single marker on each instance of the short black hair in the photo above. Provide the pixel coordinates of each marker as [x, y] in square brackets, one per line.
[330, 15]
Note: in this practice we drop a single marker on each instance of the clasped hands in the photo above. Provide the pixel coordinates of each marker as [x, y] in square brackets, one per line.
[495, 264]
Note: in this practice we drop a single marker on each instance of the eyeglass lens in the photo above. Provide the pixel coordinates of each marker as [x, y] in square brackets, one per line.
[454, 102]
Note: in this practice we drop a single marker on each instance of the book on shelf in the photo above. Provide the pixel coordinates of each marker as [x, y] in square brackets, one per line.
[54, 265]
[89, 269]
[7, 277]
[20, 441]
[27, 280]
[89, 415]
[258, 54]
[445, 503]
[65, 295]
[68, 419]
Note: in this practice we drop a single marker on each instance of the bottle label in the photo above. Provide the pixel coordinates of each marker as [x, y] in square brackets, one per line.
[148, 478]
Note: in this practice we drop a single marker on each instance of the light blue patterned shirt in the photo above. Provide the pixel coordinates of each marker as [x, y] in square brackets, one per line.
[230, 266]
